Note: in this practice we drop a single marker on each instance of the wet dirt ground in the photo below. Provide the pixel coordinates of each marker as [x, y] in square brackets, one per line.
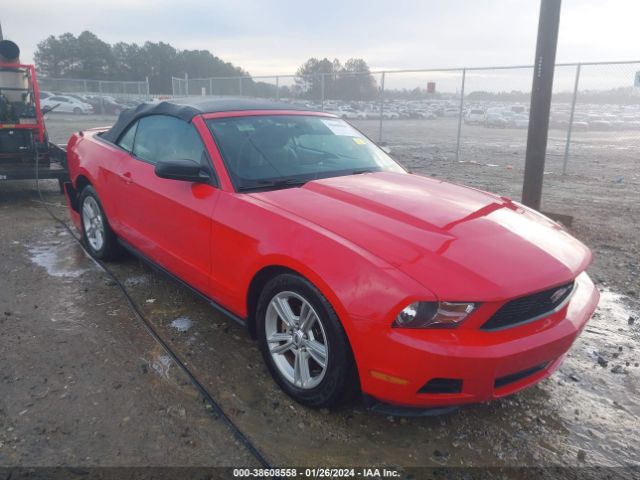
[83, 384]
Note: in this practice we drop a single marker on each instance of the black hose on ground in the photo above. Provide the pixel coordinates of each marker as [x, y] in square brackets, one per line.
[208, 398]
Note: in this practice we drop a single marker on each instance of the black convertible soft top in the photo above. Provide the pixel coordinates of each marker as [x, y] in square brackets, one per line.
[186, 109]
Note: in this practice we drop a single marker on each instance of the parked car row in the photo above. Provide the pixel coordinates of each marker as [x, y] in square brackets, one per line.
[85, 104]
[596, 121]
[65, 104]
[497, 117]
[508, 116]
[487, 114]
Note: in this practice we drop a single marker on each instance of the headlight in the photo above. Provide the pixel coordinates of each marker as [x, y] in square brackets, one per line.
[433, 314]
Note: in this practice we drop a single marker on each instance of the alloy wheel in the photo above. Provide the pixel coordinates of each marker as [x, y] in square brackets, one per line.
[93, 223]
[296, 340]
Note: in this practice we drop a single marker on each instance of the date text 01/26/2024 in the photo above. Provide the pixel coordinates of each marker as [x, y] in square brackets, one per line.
[316, 473]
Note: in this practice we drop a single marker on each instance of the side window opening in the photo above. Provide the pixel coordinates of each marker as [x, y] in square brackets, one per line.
[126, 140]
[160, 138]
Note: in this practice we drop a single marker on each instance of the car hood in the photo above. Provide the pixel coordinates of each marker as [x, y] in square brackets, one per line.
[458, 242]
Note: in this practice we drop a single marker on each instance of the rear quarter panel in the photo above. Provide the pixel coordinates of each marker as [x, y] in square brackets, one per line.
[96, 162]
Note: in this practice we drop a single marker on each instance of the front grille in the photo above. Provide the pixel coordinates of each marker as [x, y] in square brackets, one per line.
[525, 309]
[514, 377]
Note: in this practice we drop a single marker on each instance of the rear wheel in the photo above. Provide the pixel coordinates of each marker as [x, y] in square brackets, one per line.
[97, 235]
[77, 111]
[304, 344]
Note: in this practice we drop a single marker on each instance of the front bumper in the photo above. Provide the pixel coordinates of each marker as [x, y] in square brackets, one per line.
[397, 363]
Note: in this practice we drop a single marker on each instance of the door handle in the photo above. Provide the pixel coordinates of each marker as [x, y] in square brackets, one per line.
[126, 177]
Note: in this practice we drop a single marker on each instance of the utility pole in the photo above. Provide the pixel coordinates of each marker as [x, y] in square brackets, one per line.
[541, 91]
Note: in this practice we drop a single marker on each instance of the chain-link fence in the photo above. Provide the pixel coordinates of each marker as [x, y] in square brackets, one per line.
[97, 87]
[264, 87]
[463, 113]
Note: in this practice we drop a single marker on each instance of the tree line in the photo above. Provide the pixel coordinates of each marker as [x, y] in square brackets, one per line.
[332, 79]
[88, 57]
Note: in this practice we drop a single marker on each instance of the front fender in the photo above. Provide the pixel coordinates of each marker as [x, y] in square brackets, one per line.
[249, 235]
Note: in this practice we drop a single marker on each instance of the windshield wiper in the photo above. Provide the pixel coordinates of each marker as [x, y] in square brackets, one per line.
[268, 184]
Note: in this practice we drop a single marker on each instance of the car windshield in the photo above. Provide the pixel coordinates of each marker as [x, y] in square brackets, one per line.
[264, 152]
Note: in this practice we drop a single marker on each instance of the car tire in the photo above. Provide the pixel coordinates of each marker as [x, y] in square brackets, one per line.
[97, 235]
[295, 356]
[77, 111]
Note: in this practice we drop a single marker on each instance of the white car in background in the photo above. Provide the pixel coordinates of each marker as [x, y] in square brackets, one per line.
[350, 113]
[519, 121]
[496, 120]
[475, 115]
[65, 104]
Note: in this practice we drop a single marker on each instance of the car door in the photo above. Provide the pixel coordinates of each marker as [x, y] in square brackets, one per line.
[169, 221]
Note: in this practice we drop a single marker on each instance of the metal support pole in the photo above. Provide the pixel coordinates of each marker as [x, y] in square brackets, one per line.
[573, 111]
[541, 102]
[85, 86]
[322, 91]
[211, 86]
[186, 84]
[464, 74]
[381, 108]
[146, 79]
[277, 88]
[240, 85]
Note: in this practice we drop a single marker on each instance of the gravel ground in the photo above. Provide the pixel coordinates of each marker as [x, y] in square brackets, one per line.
[83, 384]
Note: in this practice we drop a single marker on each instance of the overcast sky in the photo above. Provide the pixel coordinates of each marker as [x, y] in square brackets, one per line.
[268, 37]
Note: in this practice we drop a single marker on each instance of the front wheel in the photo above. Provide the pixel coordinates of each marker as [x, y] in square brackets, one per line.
[304, 344]
[96, 231]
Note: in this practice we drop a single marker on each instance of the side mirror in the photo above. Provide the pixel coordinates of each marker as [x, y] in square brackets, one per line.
[184, 170]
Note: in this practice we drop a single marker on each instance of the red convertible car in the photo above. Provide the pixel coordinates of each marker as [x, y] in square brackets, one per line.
[353, 274]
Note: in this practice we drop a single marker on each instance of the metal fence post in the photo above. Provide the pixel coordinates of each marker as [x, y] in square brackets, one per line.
[381, 107]
[101, 98]
[85, 87]
[186, 84]
[573, 110]
[277, 88]
[464, 75]
[146, 79]
[240, 85]
[211, 86]
[322, 91]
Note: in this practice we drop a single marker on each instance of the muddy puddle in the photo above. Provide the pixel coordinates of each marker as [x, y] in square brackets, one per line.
[58, 255]
[182, 324]
[55, 254]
